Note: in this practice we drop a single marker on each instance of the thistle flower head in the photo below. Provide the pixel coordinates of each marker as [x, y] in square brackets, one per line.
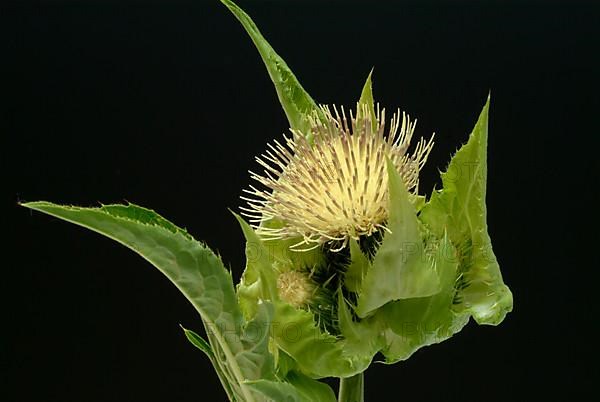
[333, 187]
[295, 288]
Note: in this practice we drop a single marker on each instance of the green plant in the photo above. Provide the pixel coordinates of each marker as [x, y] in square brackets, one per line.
[344, 258]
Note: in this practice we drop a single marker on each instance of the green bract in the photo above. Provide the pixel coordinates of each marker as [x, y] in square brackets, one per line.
[296, 316]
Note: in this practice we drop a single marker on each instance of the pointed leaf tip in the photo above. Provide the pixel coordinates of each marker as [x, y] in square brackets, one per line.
[461, 209]
[366, 103]
[398, 271]
[296, 102]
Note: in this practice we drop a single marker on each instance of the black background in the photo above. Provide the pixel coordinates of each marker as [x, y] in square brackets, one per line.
[165, 104]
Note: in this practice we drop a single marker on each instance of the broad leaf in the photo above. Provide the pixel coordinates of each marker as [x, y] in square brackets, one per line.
[418, 322]
[310, 389]
[296, 388]
[317, 354]
[276, 391]
[460, 210]
[399, 269]
[196, 271]
[296, 102]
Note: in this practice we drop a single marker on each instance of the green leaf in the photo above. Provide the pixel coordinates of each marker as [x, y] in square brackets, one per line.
[459, 208]
[259, 278]
[276, 391]
[296, 102]
[284, 363]
[366, 104]
[317, 354]
[414, 323]
[361, 338]
[418, 202]
[310, 389]
[358, 268]
[255, 336]
[399, 270]
[296, 388]
[281, 253]
[198, 342]
[204, 346]
[196, 271]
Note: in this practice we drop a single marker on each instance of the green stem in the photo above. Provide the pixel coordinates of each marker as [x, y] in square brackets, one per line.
[352, 389]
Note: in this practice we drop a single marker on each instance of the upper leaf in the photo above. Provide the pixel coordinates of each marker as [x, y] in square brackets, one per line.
[460, 210]
[366, 104]
[296, 102]
[399, 269]
[414, 323]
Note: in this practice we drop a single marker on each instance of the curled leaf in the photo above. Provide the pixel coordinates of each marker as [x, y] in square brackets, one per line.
[460, 210]
[399, 269]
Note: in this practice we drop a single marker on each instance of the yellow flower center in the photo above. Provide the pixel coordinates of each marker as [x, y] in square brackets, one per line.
[335, 187]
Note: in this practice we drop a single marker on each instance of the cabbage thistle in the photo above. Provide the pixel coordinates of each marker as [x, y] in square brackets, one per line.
[334, 188]
[344, 258]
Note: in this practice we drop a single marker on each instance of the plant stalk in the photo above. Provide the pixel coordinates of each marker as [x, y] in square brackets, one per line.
[352, 389]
